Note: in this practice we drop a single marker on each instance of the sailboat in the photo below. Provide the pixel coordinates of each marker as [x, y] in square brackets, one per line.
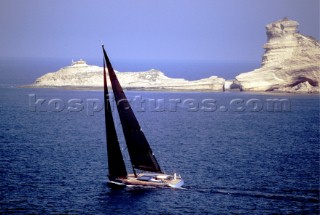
[145, 167]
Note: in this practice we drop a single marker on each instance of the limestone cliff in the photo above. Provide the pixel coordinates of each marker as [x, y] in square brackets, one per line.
[290, 62]
[82, 75]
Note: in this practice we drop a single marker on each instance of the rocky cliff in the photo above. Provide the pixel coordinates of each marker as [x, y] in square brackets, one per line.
[290, 62]
[82, 75]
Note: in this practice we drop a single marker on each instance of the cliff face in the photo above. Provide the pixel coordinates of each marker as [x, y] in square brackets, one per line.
[79, 74]
[290, 62]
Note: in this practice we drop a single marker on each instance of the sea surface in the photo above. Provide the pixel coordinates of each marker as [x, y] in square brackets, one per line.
[239, 153]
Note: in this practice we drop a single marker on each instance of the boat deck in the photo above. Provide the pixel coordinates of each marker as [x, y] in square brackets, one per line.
[154, 182]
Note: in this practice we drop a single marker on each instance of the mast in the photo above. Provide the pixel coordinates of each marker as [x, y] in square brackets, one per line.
[117, 168]
[139, 149]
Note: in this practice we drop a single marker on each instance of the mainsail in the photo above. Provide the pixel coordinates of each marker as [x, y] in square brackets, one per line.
[117, 168]
[138, 147]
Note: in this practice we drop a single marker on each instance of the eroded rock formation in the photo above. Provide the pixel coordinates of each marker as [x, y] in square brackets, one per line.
[82, 75]
[290, 62]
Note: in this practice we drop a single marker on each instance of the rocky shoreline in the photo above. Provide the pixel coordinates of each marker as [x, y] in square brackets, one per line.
[290, 64]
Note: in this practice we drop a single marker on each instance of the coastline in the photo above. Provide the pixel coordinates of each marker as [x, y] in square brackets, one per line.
[157, 89]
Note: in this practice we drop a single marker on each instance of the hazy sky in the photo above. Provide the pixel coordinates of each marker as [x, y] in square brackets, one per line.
[147, 30]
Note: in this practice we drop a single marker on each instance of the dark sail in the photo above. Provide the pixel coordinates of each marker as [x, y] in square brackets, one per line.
[138, 147]
[117, 168]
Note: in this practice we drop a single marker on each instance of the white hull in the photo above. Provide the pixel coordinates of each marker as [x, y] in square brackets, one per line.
[151, 180]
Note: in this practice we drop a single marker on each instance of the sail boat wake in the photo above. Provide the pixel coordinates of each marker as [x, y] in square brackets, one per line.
[141, 155]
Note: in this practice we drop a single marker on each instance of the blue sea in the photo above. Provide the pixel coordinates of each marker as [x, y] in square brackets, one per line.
[239, 153]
